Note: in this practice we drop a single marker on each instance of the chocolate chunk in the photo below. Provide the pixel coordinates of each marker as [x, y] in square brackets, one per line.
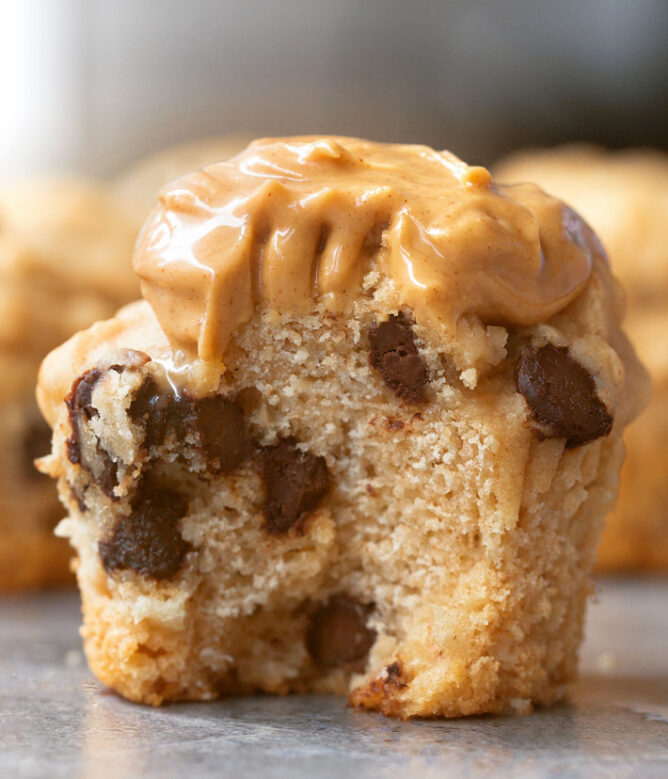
[96, 460]
[215, 423]
[394, 354]
[81, 410]
[221, 433]
[36, 443]
[142, 411]
[160, 413]
[337, 635]
[148, 541]
[561, 395]
[106, 476]
[295, 483]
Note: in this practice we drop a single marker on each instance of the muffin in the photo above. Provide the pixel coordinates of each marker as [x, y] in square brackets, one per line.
[138, 184]
[624, 196]
[65, 261]
[358, 438]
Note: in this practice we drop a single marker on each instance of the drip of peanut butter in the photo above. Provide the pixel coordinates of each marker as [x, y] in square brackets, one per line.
[292, 221]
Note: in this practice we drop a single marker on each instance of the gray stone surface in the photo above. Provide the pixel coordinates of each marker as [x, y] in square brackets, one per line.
[57, 721]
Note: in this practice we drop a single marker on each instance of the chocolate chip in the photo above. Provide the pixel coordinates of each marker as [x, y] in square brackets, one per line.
[106, 477]
[148, 541]
[337, 635]
[295, 483]
[36, 443]
[160, 412]
[216, 424]
[96, 460]
[221, 433]
[141, 409]
[394, 354]
[561, 395]
[81, 410]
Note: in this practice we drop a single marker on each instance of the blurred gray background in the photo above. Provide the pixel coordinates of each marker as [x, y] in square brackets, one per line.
[93, 84]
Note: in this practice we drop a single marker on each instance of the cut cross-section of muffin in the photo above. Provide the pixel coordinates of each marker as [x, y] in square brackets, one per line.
[360, 438]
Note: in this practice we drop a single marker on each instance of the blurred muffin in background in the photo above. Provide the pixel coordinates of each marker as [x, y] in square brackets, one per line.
[624, 196]
[138, 185]
[65, 261]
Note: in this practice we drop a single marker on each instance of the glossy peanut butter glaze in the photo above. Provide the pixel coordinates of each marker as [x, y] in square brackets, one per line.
[291, 221]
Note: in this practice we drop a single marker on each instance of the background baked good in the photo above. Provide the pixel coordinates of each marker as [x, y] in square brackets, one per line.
[139, 184]
[624, 196]
[65, 261]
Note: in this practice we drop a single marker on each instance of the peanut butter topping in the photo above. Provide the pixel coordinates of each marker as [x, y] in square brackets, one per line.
[292, 221]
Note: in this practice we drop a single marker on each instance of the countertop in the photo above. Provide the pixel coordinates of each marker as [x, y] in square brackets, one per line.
[56, 720]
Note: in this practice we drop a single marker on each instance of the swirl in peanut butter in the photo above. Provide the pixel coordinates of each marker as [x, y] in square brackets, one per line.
[289, 222]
